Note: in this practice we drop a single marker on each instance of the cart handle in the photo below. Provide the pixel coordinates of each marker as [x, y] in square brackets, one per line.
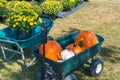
[47, 17]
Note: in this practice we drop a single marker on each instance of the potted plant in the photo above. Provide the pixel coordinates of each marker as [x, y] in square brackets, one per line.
[23, 20]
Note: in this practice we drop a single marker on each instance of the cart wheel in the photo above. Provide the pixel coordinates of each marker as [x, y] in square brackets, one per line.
[96, 67]
[70, 77]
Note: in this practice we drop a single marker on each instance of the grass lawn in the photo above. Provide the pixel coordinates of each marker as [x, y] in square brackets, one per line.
[100, 16]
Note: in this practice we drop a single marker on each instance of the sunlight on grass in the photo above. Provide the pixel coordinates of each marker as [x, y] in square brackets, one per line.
[2, 26]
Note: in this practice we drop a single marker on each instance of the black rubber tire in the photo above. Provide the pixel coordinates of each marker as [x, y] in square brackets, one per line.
[96, 67]
[70, 77]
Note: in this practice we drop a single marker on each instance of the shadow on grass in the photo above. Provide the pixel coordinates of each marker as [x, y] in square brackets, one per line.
[28, 74]
[71, 30]
[21, 74]
[1, 61]
[68, 31]
[110, 53]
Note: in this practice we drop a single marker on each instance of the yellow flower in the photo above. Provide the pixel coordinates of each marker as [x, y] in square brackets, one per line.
[31, 23]
[28, 19]
[24, 19]
[31, 19]
[20, 18]
[15, 20]
[35, 23]
[14, 25]
[72, 1]
[21, 13]
[8, 20]
[15, 16]
[40, 20]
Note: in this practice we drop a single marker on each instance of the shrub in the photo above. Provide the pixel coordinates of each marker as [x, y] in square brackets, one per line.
[36, 7]
[21, 5]
[79, 1]
[18, 5]
[51, 7]
[68, 4]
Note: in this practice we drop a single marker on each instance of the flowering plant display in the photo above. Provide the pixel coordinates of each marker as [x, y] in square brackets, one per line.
[23, 20]
[51, 7]
[22, 17]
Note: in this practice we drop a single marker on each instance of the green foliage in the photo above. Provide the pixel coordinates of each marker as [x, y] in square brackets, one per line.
[68, 4]
[3, 9]
[1, 5]
[36, 7]
[16, 0]
[78, 1]
[51, 7]
[11, 4]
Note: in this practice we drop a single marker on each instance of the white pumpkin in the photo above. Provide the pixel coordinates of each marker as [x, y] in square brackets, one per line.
[66, 54]
[60, 60]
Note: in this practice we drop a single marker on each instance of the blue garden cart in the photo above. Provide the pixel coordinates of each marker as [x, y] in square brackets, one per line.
[50, 70]
[8, 37]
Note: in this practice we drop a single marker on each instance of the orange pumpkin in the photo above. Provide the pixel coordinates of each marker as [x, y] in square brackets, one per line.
[86, 39]
[52, 50]
[75, 48]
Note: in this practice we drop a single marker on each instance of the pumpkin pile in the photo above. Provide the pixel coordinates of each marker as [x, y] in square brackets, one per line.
[84, 40]
[53, 49]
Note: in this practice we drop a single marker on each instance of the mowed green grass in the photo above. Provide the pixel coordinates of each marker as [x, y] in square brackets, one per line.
[100, 16]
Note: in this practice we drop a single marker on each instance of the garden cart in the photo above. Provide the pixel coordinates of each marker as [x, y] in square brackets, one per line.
[52, 70]
[8, 37]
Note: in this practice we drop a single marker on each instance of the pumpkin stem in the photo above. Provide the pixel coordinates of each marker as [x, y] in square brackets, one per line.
[74, 44]
[81, 44]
